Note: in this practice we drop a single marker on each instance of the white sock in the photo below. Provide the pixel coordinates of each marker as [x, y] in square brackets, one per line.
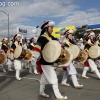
[65, 77]
[74, 80]
[97, 73]
[17, 73]
[85, 71]
[56, 91]
[35, 69]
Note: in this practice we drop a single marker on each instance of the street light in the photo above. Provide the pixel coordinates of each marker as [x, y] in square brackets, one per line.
[8, 25]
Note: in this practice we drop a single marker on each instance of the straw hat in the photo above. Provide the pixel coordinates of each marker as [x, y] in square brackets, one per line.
[94, 51]
[51, 51]
[17, 51]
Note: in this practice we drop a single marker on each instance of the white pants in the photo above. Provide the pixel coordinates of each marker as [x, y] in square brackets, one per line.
[97, 63]
[93, 67]
[25, 63]
[70, 71]
[9, 63]
[85, 71]
[17, 66]
[32, 66]
[49, 77]
[17, 73]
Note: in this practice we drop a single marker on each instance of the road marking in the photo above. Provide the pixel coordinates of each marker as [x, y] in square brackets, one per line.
[22, 77]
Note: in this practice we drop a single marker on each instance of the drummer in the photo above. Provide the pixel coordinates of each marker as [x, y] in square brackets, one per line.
[8, 60]
[70, 69]
[97, 42]
[90, 62]
[48, 75]
[17, 61]
[97, 39]
[32, 65]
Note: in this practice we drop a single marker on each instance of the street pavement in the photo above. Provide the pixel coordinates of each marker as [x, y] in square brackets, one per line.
[28, 87]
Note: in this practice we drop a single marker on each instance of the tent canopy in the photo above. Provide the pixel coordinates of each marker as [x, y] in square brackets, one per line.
[93, 26]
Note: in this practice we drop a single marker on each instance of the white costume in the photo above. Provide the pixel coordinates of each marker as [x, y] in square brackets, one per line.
[70, 69]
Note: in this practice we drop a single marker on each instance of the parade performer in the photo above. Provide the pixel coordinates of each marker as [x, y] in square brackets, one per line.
[17, 61]
[32, 65]
[97, 42]
[70, 69]
[48, 75]
[90, 62]
[8, 60]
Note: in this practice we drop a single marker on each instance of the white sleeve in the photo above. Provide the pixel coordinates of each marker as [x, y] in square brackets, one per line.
[36, 55]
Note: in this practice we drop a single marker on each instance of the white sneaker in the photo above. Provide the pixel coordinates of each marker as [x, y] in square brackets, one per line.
[79, 86]
[65, 84]
[85, 77]
[35, 72]
[10, 70]
[18, 79]
[44, 95]
[30, 72]
[64, 98]
[4, 70]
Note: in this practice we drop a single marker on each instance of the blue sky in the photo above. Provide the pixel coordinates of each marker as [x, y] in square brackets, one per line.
[30, 13]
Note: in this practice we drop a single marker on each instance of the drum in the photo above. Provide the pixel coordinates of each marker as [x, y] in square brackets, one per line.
[2, 58]
[82, 57]
[23, 53]
[17, 51]
[52, 52]
[28, 55]
[94, 51]
[75, 50]
[65, 58]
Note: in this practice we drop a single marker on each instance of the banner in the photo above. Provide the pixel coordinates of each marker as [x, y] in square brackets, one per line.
[20, 30]
[56, 31]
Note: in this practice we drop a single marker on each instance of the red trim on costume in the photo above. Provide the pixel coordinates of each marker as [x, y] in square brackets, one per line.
[39, 67]
[6, 50]
[64, 68]
[36, 49]
[12, 51]
[86, 64]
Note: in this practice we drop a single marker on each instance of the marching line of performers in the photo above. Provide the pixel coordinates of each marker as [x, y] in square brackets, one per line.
[46, 53]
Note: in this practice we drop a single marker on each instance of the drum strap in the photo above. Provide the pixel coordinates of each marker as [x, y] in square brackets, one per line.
[68, 43]
[46, 36]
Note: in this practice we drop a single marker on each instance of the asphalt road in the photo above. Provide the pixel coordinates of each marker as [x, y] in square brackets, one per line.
[28, 87]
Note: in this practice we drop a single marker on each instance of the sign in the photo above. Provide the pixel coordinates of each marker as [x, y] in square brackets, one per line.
[20, 30]
[56, 31]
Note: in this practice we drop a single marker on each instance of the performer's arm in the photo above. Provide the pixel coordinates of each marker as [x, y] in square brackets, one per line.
[12, 51]
[37, 48]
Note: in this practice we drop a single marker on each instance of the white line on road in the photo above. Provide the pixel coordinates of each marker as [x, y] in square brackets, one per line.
[22, 77]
